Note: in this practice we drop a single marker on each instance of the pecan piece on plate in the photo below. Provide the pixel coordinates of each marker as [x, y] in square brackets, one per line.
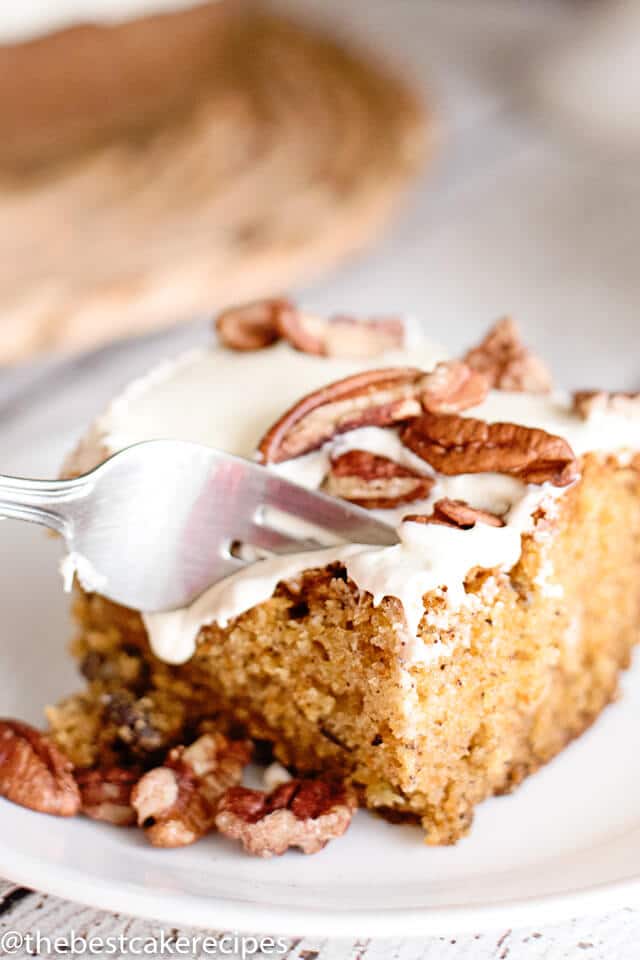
[453, 386]
[507, 362]
[342, 335]
[455, 513]
[34, 773]
[253, 326]
[370, 480]
[106, 793]
[455, 445]
[300, 813]
[175, 804]
[587, 403]
[373, 398]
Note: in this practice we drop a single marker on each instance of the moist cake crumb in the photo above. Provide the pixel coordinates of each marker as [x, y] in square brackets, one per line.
[500, 673]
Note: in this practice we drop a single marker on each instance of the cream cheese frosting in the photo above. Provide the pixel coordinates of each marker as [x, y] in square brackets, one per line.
[23, 19]
[228, 399]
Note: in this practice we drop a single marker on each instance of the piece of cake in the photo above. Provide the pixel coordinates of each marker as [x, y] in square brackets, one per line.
[429, 675]
[160, 157]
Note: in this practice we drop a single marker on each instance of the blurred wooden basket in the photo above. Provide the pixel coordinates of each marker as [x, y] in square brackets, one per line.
[154, 170]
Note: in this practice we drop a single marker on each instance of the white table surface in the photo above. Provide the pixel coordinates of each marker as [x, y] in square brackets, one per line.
[512, 217]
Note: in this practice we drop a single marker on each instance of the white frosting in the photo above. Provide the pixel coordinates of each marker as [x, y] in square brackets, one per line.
[76, 565]
[22, 19]
[228, 400]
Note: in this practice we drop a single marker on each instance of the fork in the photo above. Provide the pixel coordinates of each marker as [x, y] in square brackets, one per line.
[157, 523]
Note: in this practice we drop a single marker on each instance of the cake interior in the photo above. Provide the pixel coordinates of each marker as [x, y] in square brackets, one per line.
[326, 678]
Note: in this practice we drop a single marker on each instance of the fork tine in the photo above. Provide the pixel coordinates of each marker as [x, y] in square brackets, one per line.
[266, 538]
[341, 518]
[253, 485]
[180, 507]
[224, 566]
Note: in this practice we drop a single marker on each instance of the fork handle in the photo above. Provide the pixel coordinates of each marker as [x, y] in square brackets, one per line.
[40, 501]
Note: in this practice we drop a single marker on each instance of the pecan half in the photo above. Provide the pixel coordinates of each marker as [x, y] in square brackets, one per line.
[586, 403]
[454, 445]
[300, 813]
[455, 513]
[341, 336]
[373, 398]
[253, 326]
[379, 483]
[106, 794]
[176, 804]
[507, 362]
[34, 773]
[451, 387]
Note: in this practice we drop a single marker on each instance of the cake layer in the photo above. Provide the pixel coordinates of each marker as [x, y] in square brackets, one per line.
[320, 672]
[431, 674]
[227, 399]
[184, 133]
[29, 18]
[109, 89]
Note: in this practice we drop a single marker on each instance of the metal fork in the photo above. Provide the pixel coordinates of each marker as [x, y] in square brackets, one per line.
[158, 523]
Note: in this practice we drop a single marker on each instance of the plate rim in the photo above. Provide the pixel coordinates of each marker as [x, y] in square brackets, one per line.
[248, 917]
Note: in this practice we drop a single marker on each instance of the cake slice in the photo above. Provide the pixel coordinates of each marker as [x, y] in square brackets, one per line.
[427, 676]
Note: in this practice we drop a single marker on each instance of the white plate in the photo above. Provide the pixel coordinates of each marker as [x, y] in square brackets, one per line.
[507, 222]
[569, 837]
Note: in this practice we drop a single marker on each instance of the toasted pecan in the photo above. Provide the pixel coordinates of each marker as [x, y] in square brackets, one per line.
[455, 513]
[372, 398]
[176, 803]
[34, 773]
[451, 387]
[253, 326]
[378, 398]
[342, 335]
[586, 403]
[300, 813]
[507, 362]
[106, 793]
[373, 481]
[455, 445]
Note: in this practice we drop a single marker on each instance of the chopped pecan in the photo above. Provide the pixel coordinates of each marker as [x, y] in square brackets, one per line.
[452, 387]
[253, 326]
[341, 336]
[455, 513]
[300, 813]
[34, 773]
[106, 794]
[586, 403]
[379, 483]
[454, 445]
[176, 803]
[507, 362]
[372, 398]
[216, 760]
